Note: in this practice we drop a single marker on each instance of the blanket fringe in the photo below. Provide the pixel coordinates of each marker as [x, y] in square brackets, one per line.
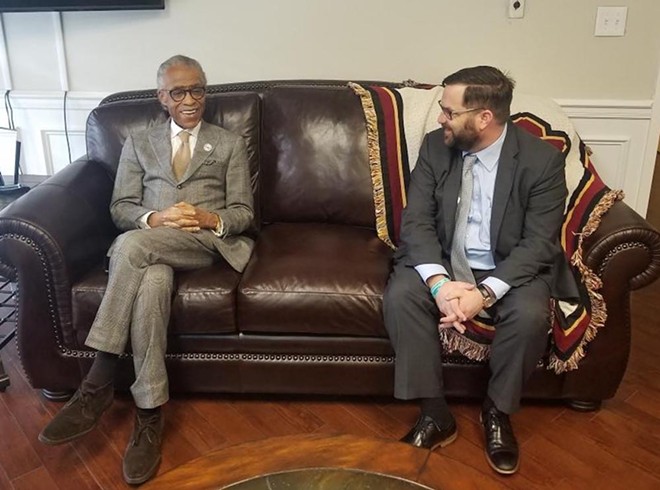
[373, 148]
[452, 341]
[592, 282]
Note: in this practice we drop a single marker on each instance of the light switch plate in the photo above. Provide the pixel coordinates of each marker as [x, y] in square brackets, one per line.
[611, 21]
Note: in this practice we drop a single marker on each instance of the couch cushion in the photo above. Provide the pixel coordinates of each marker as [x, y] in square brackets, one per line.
[205, 300]
[314, 157]
[316, 279]
[203, 303]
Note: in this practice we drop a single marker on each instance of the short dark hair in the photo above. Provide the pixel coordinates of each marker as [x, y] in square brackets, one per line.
[486, 87]
[178, 59]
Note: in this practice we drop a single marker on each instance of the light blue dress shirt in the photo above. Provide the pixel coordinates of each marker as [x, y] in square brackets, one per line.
[477, 241]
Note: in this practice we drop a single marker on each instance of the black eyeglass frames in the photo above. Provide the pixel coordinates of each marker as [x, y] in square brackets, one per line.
[450, 115]
[178, 94]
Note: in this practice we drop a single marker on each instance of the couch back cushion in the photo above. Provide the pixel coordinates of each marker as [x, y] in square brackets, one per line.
[109, 124]
[314, 157]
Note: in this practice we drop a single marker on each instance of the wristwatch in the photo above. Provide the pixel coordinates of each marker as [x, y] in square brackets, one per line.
[488, 296]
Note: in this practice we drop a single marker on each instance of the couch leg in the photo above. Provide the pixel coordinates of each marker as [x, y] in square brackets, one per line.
[585, 405]
[57, 396]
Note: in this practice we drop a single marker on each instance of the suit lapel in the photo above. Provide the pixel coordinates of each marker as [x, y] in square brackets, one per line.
[506, 169]
[450, 193]
[207, 140]
[161, 144]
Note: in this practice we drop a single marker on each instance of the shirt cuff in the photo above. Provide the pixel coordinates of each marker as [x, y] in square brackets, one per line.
[428, 270]
[499, 287]
[143, 221]
[219, 230]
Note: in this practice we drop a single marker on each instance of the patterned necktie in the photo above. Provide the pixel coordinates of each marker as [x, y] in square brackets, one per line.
[182, 157]
[459, 261]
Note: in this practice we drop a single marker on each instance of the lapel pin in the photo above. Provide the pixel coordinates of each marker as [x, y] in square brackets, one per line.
[207, 147]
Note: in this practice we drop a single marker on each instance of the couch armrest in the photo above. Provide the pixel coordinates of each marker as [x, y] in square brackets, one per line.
[625, 253]
[49, 238]
[625, 247]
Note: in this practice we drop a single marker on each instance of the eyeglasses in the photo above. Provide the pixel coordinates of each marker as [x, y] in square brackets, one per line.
[450, 115]
[178, 94]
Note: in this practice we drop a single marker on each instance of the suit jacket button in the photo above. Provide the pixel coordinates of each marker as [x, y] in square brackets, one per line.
[179, 186]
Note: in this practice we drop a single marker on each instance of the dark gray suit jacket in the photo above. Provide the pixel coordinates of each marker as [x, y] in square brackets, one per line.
[527, 213]
[218, 180]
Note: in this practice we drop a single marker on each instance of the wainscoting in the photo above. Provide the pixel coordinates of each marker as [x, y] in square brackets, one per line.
[618, 132]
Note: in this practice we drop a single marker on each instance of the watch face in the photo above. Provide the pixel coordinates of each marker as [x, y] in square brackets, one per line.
[488, 299]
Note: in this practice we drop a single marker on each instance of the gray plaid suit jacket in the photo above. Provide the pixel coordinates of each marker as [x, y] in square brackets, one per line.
[218, 180]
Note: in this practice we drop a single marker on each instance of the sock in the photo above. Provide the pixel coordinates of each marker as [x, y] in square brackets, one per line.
[488, 404]
[144, 413]
[102, 371]
[437, 409]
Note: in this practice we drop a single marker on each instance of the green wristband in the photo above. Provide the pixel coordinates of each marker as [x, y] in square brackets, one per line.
[435, 289]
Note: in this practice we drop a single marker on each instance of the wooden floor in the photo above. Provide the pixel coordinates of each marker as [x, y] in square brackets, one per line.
[615, 448]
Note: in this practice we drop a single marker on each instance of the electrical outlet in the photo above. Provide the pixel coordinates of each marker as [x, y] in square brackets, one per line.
[516, 9]
[611, 21]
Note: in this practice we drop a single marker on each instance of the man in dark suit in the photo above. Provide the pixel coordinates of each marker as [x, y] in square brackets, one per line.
[479, 236]
[183, 199]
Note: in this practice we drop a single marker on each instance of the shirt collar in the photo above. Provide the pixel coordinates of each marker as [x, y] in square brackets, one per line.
[490, 155]
[175, 129]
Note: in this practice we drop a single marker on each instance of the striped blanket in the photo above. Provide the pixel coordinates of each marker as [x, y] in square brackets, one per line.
[398, 119]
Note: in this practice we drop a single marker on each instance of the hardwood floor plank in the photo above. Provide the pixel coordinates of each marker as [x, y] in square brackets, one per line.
[202, 433]
[649, 403]
[268, 417]
[101, 458]
[569, 469]
[235, 426]
[580, 439]
[39, 479]
[385, 423]
[338, 420]
[5, 483]
[17, 456]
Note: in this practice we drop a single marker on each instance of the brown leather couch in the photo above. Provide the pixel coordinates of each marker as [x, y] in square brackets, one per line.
[306, 315]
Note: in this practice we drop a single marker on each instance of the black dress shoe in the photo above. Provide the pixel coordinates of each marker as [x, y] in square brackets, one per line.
[501, 446]
[428, 435]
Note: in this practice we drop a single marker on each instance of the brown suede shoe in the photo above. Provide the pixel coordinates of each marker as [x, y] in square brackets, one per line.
[80, 415]
[142, 455]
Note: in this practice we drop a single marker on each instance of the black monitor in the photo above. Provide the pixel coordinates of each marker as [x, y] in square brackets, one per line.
[71, 5]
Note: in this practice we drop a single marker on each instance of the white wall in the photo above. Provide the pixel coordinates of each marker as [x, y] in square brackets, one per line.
[607, 85]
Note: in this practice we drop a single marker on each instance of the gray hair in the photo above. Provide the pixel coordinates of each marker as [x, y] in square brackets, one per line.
[178, 59]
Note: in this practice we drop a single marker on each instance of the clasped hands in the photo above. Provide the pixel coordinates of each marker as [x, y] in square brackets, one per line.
[458, 302]
[184, 216]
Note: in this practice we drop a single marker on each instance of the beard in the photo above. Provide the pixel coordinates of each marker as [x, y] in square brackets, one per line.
[464, 138]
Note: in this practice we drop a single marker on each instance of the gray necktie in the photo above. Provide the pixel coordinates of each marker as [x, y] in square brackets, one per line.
[459, 261]
[181, 159]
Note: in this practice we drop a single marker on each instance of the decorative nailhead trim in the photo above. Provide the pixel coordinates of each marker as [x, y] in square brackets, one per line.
[276, 358]
[622, 247]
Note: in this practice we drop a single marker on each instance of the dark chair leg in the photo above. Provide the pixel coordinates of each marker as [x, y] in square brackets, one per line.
[585, 405]
[57, 396]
